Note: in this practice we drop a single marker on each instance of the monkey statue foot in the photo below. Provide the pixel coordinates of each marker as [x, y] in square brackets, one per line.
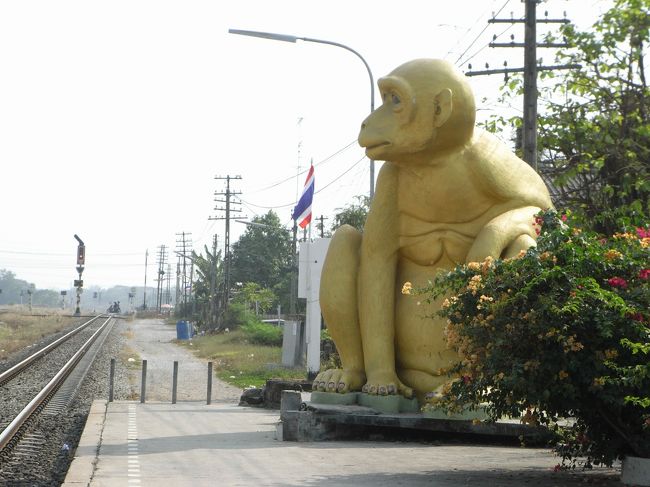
[339, 380]
[386, 384]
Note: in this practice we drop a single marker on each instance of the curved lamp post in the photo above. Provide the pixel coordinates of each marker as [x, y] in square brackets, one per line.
[290, 38]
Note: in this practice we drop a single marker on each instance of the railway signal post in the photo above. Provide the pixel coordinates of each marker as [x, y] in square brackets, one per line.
[78, 283]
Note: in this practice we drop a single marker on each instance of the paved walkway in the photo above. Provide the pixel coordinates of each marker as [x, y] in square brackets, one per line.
[193, 444]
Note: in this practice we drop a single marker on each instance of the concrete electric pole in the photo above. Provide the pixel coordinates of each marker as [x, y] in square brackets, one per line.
[530, 70]
[228, 209]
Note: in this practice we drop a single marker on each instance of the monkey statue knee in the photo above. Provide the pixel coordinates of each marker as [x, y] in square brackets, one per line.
[448, 193]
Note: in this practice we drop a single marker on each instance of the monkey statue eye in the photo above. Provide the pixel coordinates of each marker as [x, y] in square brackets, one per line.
[395, 99]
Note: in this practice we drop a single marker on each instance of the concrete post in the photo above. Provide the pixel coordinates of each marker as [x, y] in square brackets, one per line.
[290, 401]
[111, 380]
[209, 401]
[174, 382]
[143, 385]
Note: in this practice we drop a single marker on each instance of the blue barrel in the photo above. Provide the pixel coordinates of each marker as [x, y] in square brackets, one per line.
[183, 330]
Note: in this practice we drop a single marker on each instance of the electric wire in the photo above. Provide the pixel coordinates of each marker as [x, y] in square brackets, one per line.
[457, 62]
[315, 192]
[467, 31]
[63, 254]
[487, 45]
[300, 173]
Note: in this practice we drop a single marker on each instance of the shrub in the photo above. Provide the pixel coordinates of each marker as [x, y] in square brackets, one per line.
[262, 333]
[560, 332]
[329, 355]
[236, 315]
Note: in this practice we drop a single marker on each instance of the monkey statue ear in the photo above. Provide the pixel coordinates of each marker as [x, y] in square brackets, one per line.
[443, 107]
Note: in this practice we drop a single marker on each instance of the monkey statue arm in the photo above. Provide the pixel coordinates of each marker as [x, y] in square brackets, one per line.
[377, 273]
[514, 186]
[505, 236]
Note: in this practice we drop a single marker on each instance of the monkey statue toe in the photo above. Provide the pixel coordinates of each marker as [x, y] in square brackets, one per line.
[448, 193]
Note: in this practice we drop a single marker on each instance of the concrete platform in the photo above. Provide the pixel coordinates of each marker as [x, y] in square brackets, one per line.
[193, 444]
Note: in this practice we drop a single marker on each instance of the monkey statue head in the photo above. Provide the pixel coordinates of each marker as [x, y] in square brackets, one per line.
[428, 109]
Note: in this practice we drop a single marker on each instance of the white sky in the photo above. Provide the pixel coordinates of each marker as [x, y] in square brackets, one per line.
[115, 117]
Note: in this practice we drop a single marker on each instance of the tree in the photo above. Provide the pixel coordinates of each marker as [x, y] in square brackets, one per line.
[256, 297]
[263, 254]
[354, 214]
[12, 288]
[208, 287]
[594, 122]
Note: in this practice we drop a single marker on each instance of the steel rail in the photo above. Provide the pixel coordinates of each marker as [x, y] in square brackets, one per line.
[8, 434]
[16, 369]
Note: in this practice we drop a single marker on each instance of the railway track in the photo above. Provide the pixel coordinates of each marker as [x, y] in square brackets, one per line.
[35, 395]
[12, 372]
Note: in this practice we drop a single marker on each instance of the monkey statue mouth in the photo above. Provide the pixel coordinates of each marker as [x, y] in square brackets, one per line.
[375, 147]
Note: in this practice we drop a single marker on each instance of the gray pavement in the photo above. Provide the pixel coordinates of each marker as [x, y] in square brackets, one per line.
[193, 444]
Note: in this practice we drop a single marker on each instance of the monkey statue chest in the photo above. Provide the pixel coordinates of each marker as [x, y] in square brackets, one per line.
[439, 218]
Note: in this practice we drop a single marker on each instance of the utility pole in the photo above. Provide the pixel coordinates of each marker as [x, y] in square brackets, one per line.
[185, 246]
[162, 259]
[144, 301]
[530, 70]
[191, 286]
[321, 225]
[168, 292]
[227, 195]
[178, 280]
[294, 271]
[213, 281]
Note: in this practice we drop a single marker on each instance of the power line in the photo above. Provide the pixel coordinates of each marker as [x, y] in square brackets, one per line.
[315, 192]
[303, 172]
[339, 177]
[62, 254]
[467, 31]
[488, 44]
[479, 35]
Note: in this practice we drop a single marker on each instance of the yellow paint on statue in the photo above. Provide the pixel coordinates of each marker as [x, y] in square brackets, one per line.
[449, 193]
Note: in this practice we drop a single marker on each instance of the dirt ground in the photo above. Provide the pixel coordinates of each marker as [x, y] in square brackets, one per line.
[152, 340]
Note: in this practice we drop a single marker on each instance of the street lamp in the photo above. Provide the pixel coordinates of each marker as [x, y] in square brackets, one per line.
[290, 38]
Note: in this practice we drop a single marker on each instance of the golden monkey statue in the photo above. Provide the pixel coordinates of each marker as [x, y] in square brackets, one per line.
[449, 193]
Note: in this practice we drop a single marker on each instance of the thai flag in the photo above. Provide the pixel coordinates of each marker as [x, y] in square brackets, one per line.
[302, 211]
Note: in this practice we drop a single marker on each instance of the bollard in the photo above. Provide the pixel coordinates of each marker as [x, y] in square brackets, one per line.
[209, 383]
[290, 401]
[143, 385]
[174, 382]
[111, 380]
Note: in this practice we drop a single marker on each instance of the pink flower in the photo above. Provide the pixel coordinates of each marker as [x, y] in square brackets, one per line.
[617, 282]
[644, 274]
[564, 218]
[637, 317]
[642, 232]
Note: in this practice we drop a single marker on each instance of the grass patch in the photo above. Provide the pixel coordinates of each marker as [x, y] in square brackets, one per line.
[20, 328]
[240, 362]
[132, 363]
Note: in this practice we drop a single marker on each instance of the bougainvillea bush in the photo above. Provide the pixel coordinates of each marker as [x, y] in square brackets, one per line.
[560, 332]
